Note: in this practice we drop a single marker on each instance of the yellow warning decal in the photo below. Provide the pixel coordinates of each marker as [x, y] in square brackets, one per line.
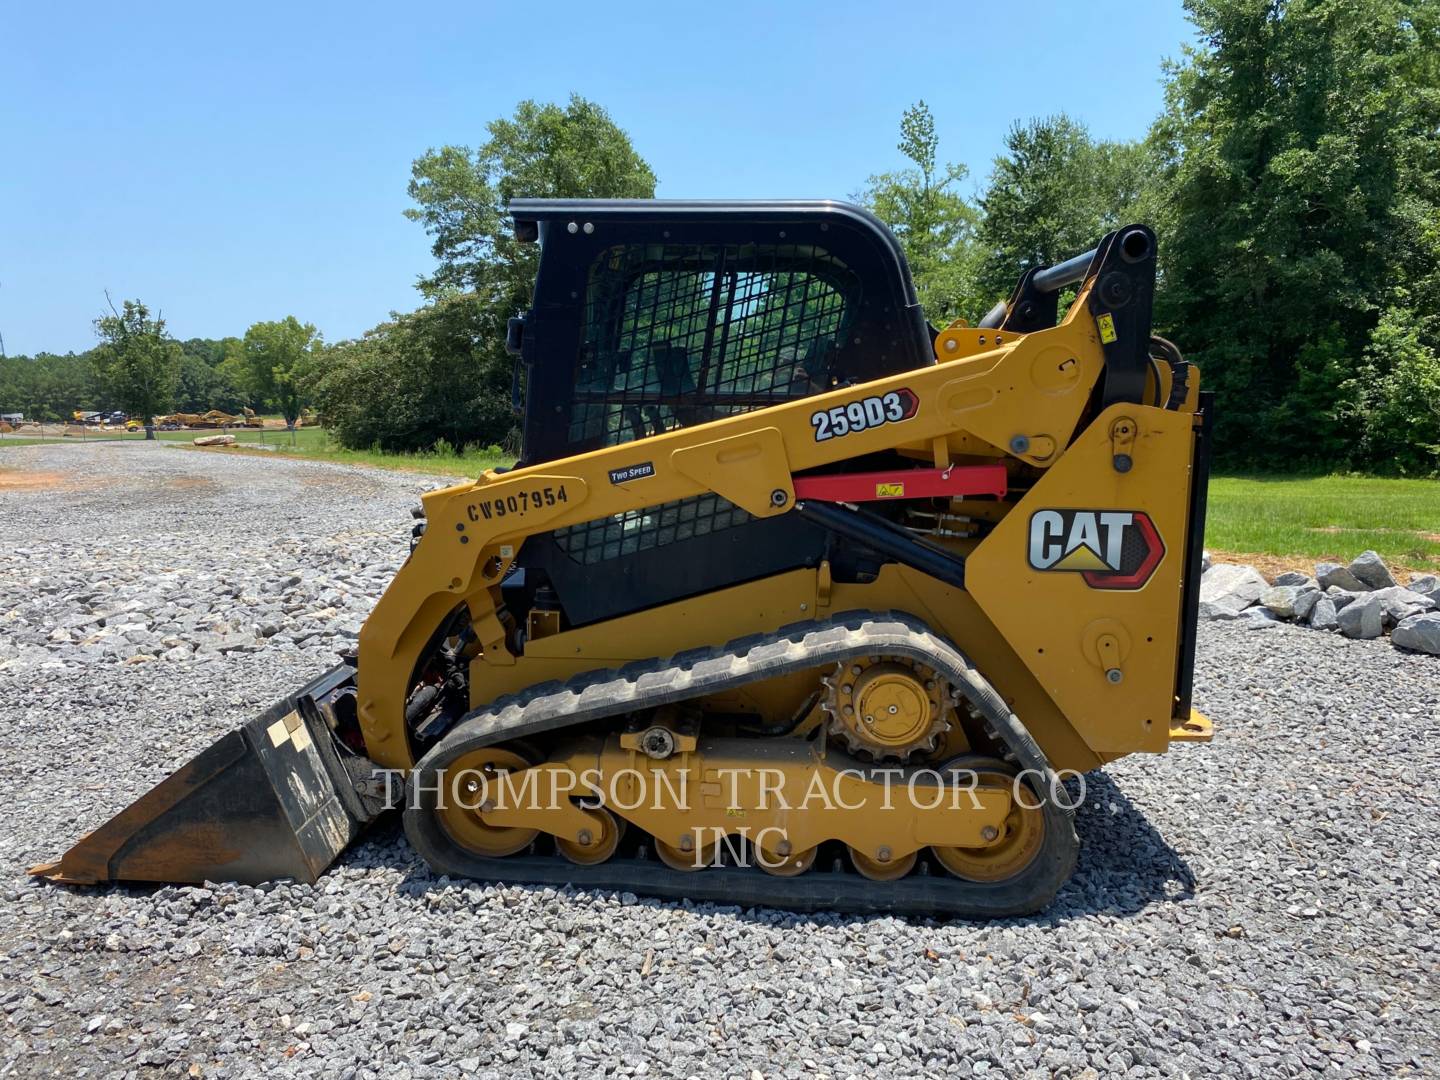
[1106, 323]
[289, 728]
[891, 490]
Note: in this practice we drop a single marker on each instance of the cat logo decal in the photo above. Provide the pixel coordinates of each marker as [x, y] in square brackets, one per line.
[1110, 549]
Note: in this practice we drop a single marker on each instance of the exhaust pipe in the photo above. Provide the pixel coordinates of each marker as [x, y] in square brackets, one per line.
[279, 797]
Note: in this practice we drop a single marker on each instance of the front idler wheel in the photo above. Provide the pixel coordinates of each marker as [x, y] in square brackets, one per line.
[469, 790]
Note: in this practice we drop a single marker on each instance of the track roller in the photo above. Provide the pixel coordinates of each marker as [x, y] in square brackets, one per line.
[595, 845]
[685, 861]
[881, 866]
[1015, 871]
[786, 865]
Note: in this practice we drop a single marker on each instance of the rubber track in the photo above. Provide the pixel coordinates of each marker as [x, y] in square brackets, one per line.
[553, 706]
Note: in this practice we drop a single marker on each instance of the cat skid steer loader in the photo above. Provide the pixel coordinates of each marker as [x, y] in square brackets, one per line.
[792, 599]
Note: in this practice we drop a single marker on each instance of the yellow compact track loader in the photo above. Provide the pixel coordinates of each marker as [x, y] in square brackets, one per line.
[792, 598]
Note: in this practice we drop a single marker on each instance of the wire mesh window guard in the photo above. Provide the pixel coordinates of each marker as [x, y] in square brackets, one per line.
[650, 527]
[678, 334]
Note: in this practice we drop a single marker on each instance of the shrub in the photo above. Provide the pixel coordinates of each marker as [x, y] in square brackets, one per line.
[1400, 404]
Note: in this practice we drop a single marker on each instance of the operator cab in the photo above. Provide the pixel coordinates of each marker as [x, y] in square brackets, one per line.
[651, 315]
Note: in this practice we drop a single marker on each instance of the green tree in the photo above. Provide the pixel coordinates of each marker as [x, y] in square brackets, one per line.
[543, 151]
[277, 356]
[234, 369]
[199, 387]
[202, 385]
[210, 351]
[1301, 180]
[416, 380]
[48, 386]
[1397, 396]
[136, 361]
[482, 277]
[1053, 194]
[933, 221]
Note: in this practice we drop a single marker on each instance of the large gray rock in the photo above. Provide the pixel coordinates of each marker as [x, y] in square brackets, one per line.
[1323, 617]
[1280, 599]
[1400, 603]
[1340, 597]
[1371, 569]
[1305, 602]
[1363, 618]
[1290, 601]
[1210, 609]
[1258, 618]
[1293, 577]
[1330, 574]
[1231, 588]
[1419, 632]
[1425, 585]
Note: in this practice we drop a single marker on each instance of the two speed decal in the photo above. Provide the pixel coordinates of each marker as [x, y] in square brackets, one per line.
[626, 473]
[864, 414]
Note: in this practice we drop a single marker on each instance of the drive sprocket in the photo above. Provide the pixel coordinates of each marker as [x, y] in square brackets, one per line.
[888, 708]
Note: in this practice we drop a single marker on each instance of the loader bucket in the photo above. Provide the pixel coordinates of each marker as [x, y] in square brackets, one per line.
[272, 799]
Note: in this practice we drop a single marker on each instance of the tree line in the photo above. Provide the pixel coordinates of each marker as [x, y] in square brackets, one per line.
[1293, 179]
[139, 369]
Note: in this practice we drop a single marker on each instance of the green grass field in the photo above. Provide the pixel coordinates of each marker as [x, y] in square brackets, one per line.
[1334, 517]
[315, 444]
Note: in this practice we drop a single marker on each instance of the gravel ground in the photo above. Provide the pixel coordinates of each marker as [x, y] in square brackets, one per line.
[1261, 907]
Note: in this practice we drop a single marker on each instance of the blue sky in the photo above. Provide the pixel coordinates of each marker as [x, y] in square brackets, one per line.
[234, 162]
